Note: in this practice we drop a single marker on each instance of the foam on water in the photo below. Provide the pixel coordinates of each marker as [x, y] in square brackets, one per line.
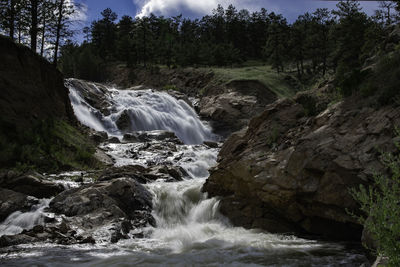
[19, 221]
[190, 229]
[147, 110]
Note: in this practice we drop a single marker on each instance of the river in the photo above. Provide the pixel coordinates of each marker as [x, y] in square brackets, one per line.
[190, 230]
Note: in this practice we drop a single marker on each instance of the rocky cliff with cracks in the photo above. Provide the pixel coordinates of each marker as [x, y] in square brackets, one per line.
[292, 168]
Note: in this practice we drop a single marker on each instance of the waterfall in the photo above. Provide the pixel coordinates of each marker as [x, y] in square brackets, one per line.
[139, 110]
[19, 221]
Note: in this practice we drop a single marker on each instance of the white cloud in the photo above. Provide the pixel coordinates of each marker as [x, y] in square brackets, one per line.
[81, 11]
[199, 7]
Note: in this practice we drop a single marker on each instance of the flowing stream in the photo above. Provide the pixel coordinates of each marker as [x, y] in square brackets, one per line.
[190, 230]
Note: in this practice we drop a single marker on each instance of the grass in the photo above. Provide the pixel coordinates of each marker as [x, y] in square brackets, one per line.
[265, 74]
[49, 146]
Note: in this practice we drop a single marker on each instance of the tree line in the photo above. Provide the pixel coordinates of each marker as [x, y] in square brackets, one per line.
[315, 43]
[41, 24]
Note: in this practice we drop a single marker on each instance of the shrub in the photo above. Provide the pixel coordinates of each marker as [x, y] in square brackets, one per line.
[381, 204]
[48, 146]
[385, 81]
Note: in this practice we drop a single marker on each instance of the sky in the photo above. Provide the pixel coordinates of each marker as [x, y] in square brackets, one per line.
[291, 9]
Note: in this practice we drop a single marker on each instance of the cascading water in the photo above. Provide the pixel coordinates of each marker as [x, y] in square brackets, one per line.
[19, 221]
[141, 110]
[190, 230]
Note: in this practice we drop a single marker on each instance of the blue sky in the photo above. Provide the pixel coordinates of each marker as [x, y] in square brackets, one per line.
[197, 8]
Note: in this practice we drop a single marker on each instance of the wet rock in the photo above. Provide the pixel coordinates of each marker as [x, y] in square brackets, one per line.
[136, 172]
[98, 137]
[124, 122]
[32, 184]
[131, 138]
[144, 175]
[88, 240]
[101, 156]
[158, 135]
[13, 240]
[211, 144]
[232, 110]
[93, 93]
[171, 173]
[11, 201]
[113, 140]
[295, 167]
[104, 203]
[59, 234]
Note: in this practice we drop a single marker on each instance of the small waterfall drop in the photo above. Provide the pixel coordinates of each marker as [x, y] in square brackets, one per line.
[137, 110]
[18, 221]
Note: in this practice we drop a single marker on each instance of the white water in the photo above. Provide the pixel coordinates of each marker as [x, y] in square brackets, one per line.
[190, 230]
[19, 221]
[147, 109]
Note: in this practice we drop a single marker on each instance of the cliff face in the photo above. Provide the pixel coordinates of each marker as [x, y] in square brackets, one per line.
[37, 124]
[31, 89]
[291, 171]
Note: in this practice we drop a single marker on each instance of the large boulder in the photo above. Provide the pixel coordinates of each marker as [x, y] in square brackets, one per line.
[31, 184]
[121, 202]
[230, 111]
[95, 94]
[291, 171]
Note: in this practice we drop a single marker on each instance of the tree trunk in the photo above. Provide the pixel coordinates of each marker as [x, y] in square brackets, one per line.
[58, 31]
[43, 31]
[34, 24]
[12, 19]
[144, 46]
[19, 32]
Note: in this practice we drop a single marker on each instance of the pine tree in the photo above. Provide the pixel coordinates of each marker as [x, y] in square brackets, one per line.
[60, 28]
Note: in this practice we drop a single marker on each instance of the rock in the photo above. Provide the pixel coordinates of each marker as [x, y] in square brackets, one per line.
[131, 138]
[59, 234]
[144, 175]
[88, 240]
[101, 156]
[11, 201]
[105, 202]
[230, 111]
[98, 137]
[32, 184]
[211, 144]
[13, 240]
[136, 172]
[295, 168]
[113, 140]
[124, 122]
[93, 93]
[158, 135]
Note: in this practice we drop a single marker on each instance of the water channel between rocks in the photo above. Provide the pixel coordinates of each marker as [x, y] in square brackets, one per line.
[189, 230]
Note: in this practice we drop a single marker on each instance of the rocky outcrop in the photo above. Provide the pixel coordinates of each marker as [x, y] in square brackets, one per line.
[291, 170]
[157, 135]
[94, 94]
[232, 110]
[121, 202]
[59, 234]
[31, 184]
[145, 174]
